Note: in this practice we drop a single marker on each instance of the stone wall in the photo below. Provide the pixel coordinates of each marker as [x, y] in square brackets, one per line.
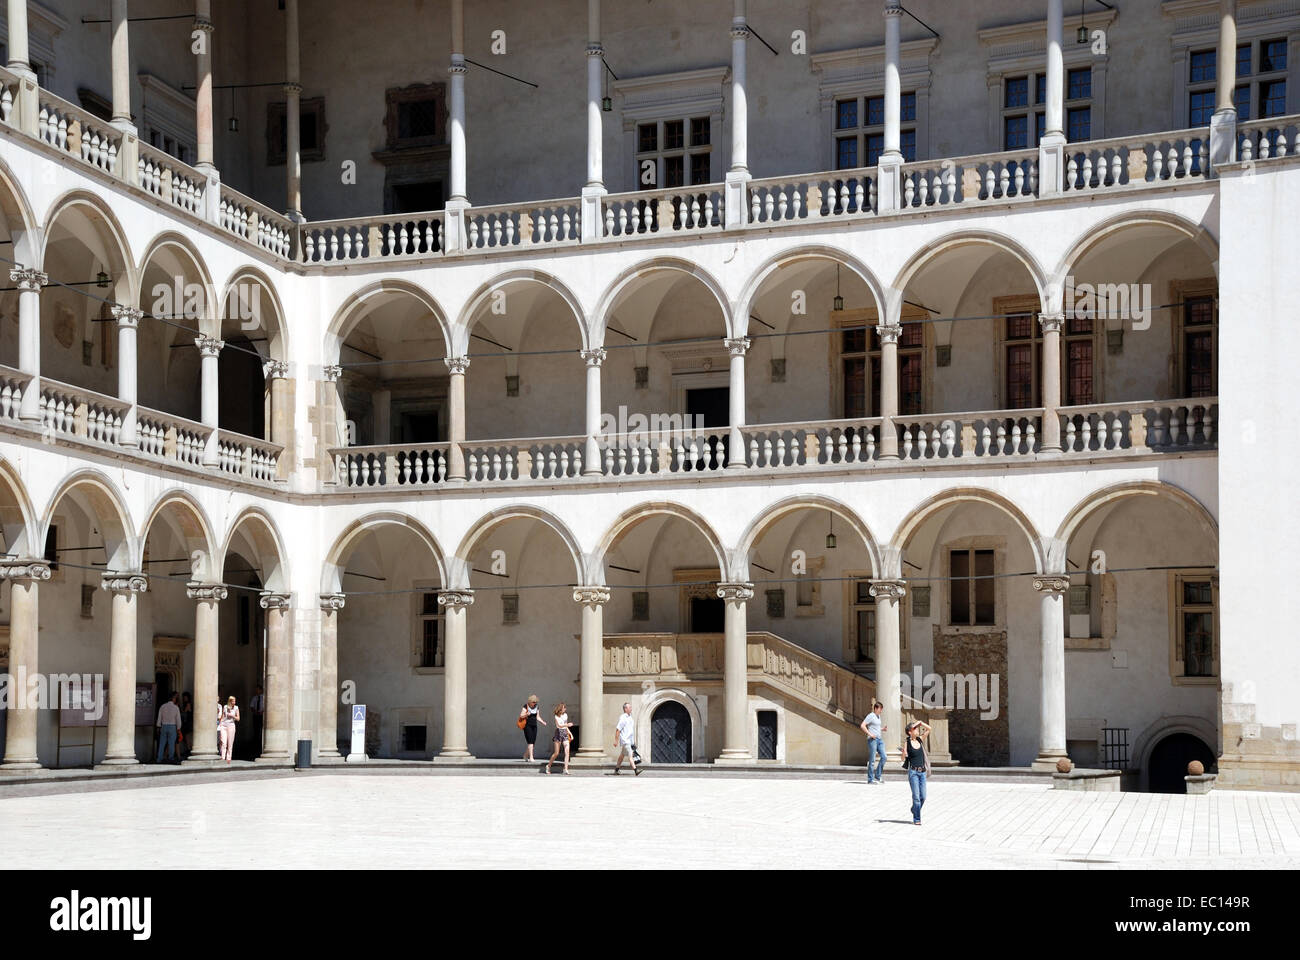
[976, 742]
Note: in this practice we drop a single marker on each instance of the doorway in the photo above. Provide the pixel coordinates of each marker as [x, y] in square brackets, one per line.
[670, 734]
[1168, 764]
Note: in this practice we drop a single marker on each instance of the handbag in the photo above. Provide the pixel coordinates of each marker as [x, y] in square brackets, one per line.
[636, 757]
[522, 722]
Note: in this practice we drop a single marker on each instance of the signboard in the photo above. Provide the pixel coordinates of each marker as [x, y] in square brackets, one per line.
[358, 752]
[80, 706]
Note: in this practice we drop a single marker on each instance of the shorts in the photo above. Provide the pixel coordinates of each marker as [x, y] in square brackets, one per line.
[561, 735]
[627, 750]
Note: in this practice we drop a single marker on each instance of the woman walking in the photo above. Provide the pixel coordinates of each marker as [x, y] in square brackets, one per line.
[562, 736]
[531, 717]
[226, 721]
[918, 765]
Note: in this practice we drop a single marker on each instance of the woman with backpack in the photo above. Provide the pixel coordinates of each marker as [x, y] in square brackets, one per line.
[529, 718]
[917, 765]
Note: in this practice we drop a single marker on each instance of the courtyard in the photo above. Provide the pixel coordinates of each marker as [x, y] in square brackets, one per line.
[359, 819]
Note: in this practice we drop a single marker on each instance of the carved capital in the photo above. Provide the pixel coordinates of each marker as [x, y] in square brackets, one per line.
[24, 569]
[892, 9]
[457, 66]
[275, 370]
[28, 280]
[591, 596]
[127, 316]
[293, 88]
[594, 357]
[1053, 585]
[332, 372]
[274, 601]
[889, 332]
[595, 50]
[736, 591]
[736, 346]
[1051, 323]
[889, 589]
[739, 30]
[203, 23]
[456, 364]
[206, 591]
[209, 346]
[118, 582]
[331, 602]
[456, 599]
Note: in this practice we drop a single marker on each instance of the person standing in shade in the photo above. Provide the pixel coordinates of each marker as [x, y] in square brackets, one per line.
[226, 721]
[872, 727]
[258, 705]
[918, 765]
[169, 722]
[531, 715]
[562, 736]
[624, 734]
[186, 738]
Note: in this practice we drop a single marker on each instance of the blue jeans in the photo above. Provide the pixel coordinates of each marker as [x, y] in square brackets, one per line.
[916, 780]
[167, 741]
[875, 749]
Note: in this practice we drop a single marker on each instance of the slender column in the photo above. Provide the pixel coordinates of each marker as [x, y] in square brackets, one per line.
[888, 334]
[122, 667]
[591, 466]
[26, 109]
[455, 697]
[292, 114]
[24, 576]
[456, 418]
[1223, 124]
[1051, 148]
[328, 748]
[1051, 433]
[332, 402]
[203, 91]
[735, 673]
[889, 168]
[121, 69]
[275, 737]
[29, 329]
[276, 373]
[592, 225]
[128, 320]
[210, 350]
[888, 594]
[207, 624]
[736, 401]
[736, 207]
[456, 122]
[1051, 737]
[19, 61]
[591, 672]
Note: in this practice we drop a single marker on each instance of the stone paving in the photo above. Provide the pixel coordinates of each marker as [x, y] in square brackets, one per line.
[493, 821]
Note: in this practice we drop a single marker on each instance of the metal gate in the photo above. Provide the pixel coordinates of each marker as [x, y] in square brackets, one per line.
[670, 734]
[767, 734]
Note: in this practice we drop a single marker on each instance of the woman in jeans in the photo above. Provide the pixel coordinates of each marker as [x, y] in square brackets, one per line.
[918, 765]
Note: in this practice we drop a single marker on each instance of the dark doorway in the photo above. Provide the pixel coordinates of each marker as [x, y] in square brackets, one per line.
[708, 615]
[417, 197]
[767, 734]
[670, 734]
[241, 402]
[1168, 764]
[711, 407]
[419, 428]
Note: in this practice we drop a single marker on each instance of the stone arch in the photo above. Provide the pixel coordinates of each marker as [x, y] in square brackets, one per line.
[28, 237]
[1099, 499]
[106, 503]
[615, 289]
[170, 240]
[745, 302]
[645, 712]
[924, 511]
[634, 515]
[468, 318]
[770, 514]
[352, 310]
[1003, 242]
[336, 558]
[17, 518]
[277, 329]
[1098, 233]
[189, 521]
[116, 247]
[1144, 743]
[494, 517]
[260, 531]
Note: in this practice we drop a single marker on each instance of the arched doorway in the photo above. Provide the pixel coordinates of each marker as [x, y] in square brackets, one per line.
[1169, 760]
[670, 734]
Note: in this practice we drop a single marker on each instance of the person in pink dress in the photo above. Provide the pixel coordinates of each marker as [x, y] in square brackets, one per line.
[226, 720]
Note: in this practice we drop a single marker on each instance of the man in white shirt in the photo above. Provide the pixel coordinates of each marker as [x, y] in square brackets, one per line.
[169, 721]
[873, 728]
[624, 734]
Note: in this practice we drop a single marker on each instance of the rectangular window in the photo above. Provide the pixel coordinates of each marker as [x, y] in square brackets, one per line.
[846, 153]
[864, 622]
[1023, 352]
[1272, 99]
[973, 588]
[1201, 64]
[1015, 133]
[430, 652]
[415, 116]
[860, 130]
[676, 151]
[1016, 92]
[1200, 107]
[1243, 60]
[1078, 125]
[1193, 628]
[414, 738]
[1079, 347]
[1199, 360]
[1241, 102]
[1079, 84]
[1272, 56]
[846, 114]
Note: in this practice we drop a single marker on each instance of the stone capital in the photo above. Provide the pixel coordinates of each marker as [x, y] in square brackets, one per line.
[457, 66]
[206, 591]
[892, 9]
[889, 332]
[456, 599]
[203, 23]
[888, 589]
[591, 596]
[332, 602]
[332, 372]
[1051, 322]
[28, 279]
[274, 601]
[293, 88]
[28, 569]
[594, 357]
[736, 592]
[118, 582]
[736, 346]
[275, 370]
[456, 365]
[595, 49]
[127, 316]
[739, 30]
[1052, 584]
[209, 346]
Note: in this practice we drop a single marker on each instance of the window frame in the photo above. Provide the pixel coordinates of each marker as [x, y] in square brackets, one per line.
[867, 317]
[972, 551]
[662, 153]
[421, 589]
[277, 112]
[1176, 609]
[864, 130]
[1182, 291]
[850, 606]
[1031, 304]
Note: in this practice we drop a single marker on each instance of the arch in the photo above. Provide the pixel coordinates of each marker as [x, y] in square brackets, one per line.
[645, 715]
[634, 515]
[193, 529]
[332, 569]
[465, 323]
[121, 546]
[1145, 743]
[261, 532]
[612, 292]
[920, 514]
[962, 238]
[351, 311]
[186, 249]
[20, 219]
[745, 303]
[17, 518]
[502, 514]
[1097, 233]
[770, 514]
[127, 288]
[1098, 499]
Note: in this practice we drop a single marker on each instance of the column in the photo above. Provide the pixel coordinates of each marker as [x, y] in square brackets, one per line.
[1051, 737]
[592, 226]
[292, 114]
[456, 418]
[591, 673]
[276, 373]
[888, 595]
[327, 750]
[591, 465]
[1051, 432]
[889, 168]
[275, 727]
[128, 320]
[29, 324]
[207, 622]
[735, 670]
[888, 334]
[209, 350]
[121, 69]
[736, 206]
[332, 402]
[203, 89]
[736, 400]
[1051, 149]
[122, 667]
[455, 697]
[19, 61]
[1223, 124]
[26, 115]
[457, 202]
[24, 577]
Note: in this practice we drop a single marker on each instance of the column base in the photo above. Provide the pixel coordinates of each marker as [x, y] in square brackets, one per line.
[20, 766]
[356, 758]
[1046, 761]
[118, 762]
[588, 758]
[276, 757]
[734, 756]
[201, 760]
[453, 756]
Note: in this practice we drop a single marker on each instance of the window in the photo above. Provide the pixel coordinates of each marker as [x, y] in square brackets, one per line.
[427, 642]
[311, 131]
[416, 115]
[1194, 650]
[414, 738]
[1077, 346]
[1024, 117]
[859, 347]
[1199, 332]
[863, 624]
[860, 130]
[1022, 356]
[673, 153]
[1261, 81]
[972, 588]
[509, 608]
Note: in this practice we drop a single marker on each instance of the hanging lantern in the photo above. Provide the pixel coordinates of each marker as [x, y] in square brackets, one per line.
[830, 536]
[1083, 29]
[839, 301]
[233, 124]
[606, 104]
[101, 280]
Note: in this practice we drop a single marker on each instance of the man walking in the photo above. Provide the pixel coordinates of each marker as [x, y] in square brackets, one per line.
[623, 736]
[875, 742]
[169, 721]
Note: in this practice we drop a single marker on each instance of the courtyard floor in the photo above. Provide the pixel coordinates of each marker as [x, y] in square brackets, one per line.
[328, 820]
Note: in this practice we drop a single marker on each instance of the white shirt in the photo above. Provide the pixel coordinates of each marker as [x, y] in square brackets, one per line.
[626, 729]
[562, 719]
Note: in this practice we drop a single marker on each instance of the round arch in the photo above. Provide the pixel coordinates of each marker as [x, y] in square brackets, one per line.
[745, 303]
[109, 508]
[645, 711]
[1098, 233]
[17, 518]
[611, 294]
[277, 333]
[180, 247]
[126, 288]
[332, 569]
[468, 315]
[495, 517]
[929, 508]
[771, 514]
[190, 522]
[21, 220]
[1145, 743]
[260, 531]
[353, 309]
[963, 238]
[634, 515]
[1099, 499]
